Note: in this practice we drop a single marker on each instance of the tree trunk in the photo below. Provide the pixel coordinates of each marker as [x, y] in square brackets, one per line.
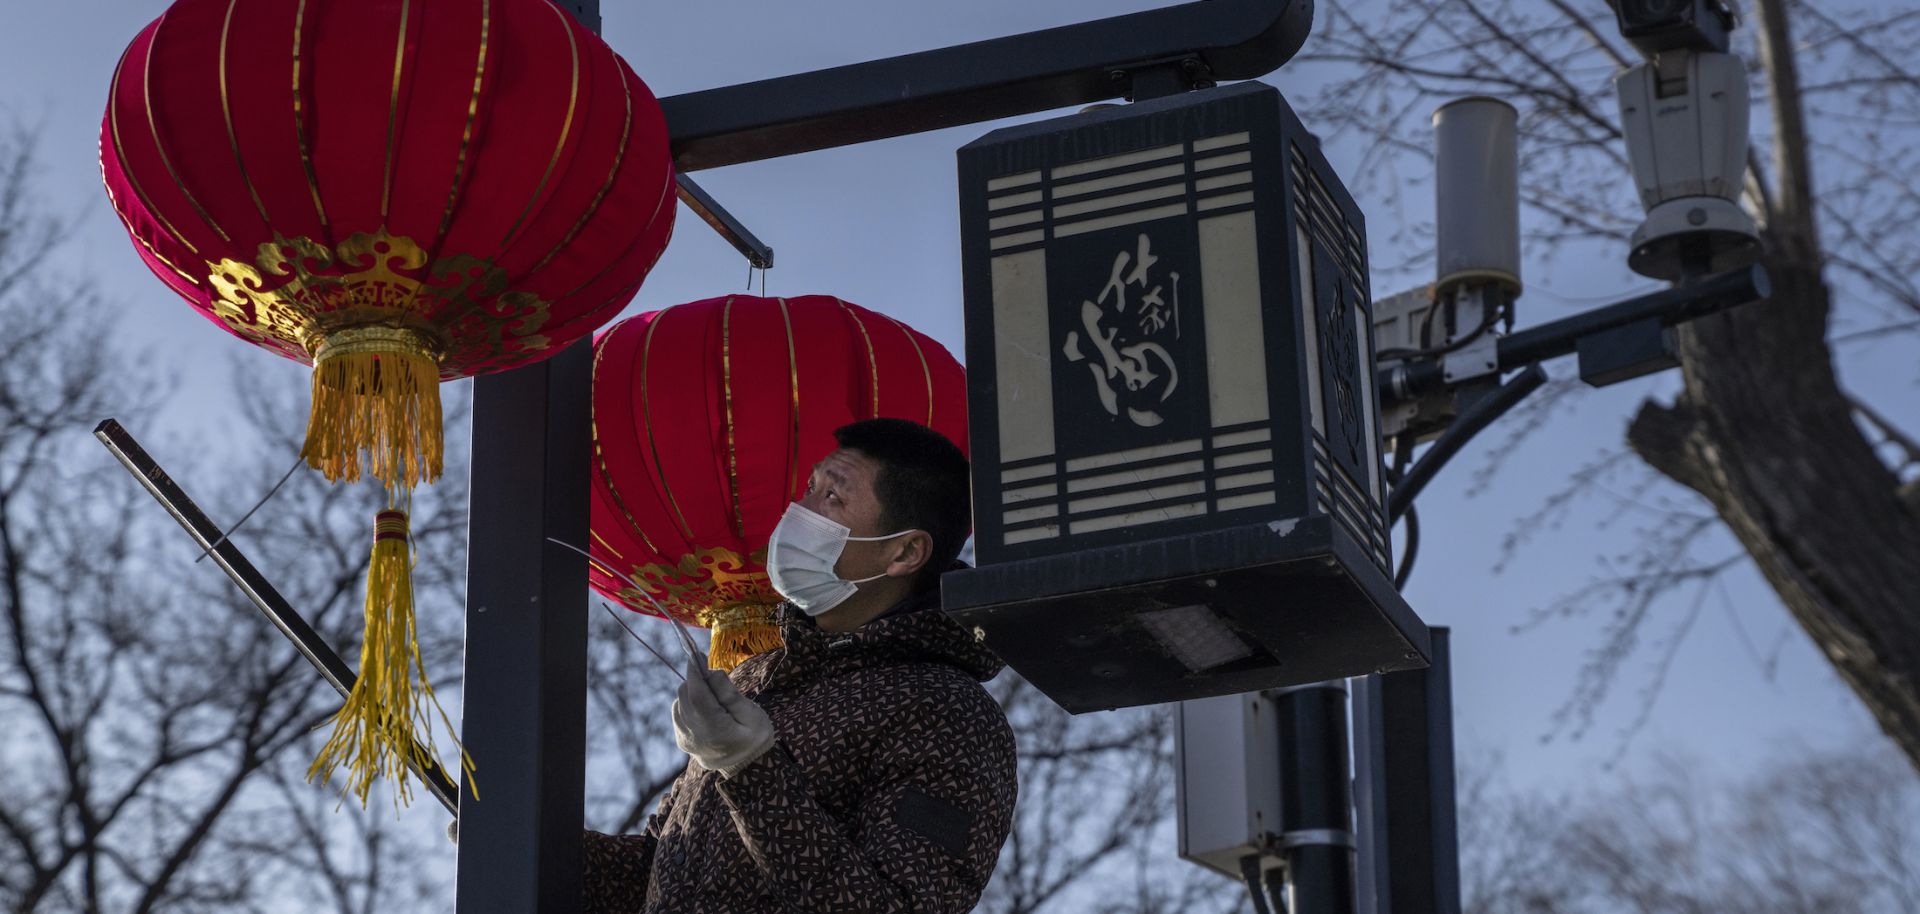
[1765, 433]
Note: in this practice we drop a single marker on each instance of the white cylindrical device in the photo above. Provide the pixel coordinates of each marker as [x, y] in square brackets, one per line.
[1477, 193]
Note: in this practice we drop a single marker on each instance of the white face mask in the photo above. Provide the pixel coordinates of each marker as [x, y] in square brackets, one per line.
[800, 558]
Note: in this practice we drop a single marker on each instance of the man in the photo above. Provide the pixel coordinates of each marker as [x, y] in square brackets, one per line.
[862, 767]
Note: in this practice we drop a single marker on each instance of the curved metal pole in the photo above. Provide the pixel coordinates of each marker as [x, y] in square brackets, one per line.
[981, 81]
[1470, 423]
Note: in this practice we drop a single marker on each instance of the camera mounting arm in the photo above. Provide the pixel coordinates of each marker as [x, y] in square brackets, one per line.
[1661, 309]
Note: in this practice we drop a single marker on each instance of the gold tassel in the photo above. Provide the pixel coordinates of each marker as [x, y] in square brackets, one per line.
[377, 390]
[373, 732]
[740, 631]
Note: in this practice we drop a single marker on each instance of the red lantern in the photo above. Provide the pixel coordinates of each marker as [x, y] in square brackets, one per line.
[708, 418]
[397, 192]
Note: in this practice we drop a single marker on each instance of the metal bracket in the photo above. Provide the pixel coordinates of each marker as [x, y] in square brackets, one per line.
[1319, 837]
[1160, 78]
[1480, 357]
[1470, 309]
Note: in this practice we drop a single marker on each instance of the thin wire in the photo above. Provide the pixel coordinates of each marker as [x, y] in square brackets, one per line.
[643, 642]
[256, 506]
[1411, 521]
[686, 640]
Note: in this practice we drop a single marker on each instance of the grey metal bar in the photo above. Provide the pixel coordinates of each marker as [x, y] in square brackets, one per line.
[733, 230]
[251, 582]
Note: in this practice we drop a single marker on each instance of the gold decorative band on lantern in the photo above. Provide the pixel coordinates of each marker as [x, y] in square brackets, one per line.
[740, 630]
[390, 525]
[376, 389]
[376, 340]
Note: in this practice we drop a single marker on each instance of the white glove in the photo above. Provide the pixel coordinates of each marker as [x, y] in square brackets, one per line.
[722, 729]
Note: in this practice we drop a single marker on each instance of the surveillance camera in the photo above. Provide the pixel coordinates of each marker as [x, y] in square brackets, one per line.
[1654, 26]
[1685, 119]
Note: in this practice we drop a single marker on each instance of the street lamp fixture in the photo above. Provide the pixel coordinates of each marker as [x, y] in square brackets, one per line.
[1177, 480]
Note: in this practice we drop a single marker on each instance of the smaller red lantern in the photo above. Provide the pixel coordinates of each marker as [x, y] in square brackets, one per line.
[708, 418]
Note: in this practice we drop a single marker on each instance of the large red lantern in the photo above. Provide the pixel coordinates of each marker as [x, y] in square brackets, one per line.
[397, 192]
[708, 418]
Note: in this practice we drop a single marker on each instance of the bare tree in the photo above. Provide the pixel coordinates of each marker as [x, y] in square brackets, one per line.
[1802, 472]
[156, 730]
[1835, 832]
[1092, 830]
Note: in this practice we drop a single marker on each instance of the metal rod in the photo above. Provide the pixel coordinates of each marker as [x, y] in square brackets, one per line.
[733, 230]
[121, 444]
[985, 80]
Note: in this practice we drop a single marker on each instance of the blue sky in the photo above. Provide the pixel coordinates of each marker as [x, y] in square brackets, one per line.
[877, 225]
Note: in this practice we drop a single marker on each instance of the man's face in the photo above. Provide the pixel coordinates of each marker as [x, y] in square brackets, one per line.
[842, 489]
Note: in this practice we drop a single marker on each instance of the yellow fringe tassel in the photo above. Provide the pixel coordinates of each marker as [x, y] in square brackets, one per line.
[740, 631]
[377, 390]
[373, 732]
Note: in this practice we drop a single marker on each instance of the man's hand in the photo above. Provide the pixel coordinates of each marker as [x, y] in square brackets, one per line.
[722, 729]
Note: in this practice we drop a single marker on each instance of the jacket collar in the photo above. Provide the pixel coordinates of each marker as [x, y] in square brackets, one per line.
[914, 630]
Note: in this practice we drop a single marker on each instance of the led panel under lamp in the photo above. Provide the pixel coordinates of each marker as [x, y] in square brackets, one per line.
[1195, 636]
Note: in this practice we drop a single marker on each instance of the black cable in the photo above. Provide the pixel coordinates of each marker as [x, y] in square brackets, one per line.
[1250, 873]
[1470, 423]
[1403, 445]
[1503, 309]
[1413, 548]
[1277, 889]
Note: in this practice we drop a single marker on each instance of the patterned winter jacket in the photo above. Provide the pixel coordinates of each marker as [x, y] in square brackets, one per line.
[891, 787]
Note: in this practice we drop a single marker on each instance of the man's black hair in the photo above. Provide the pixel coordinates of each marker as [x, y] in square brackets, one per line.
[922, 484]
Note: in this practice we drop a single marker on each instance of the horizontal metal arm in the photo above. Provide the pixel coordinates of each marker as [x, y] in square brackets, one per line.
[251, 583]
[1670, 307]
[981, 81]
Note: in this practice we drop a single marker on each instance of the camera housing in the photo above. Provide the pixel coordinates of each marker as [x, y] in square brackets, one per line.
[1654, 26]
[1685, 119]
